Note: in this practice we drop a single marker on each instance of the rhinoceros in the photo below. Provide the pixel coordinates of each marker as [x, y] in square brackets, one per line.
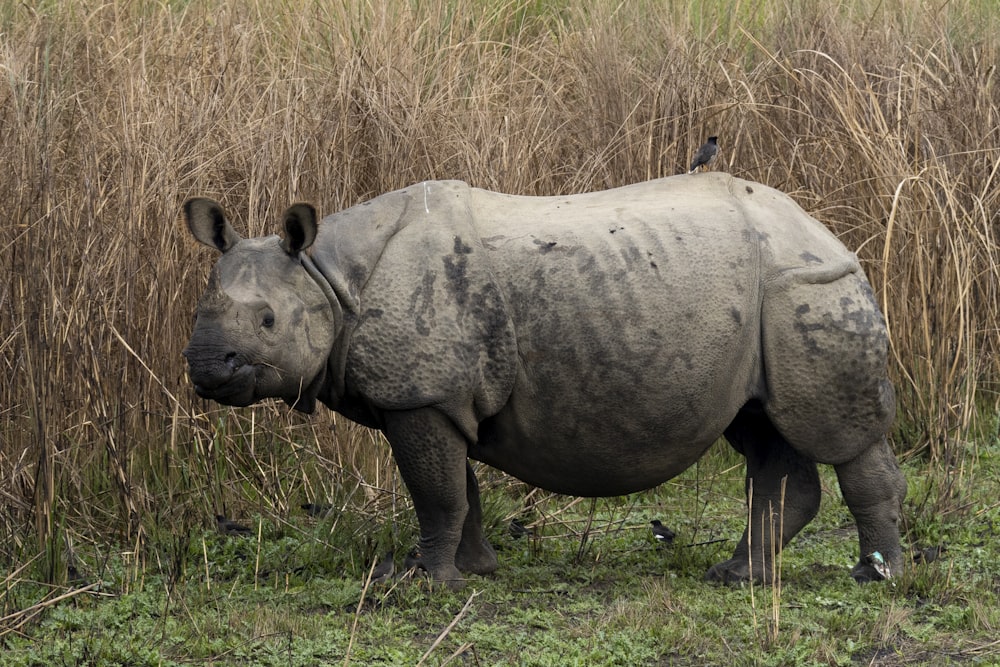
[593, 345]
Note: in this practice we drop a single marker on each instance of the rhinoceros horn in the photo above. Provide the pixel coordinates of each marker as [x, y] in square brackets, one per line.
[214, 300]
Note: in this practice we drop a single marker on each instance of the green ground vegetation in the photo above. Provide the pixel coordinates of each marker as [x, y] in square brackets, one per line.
[588, 585]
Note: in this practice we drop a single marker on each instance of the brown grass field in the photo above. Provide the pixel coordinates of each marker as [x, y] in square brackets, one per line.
[881, 119]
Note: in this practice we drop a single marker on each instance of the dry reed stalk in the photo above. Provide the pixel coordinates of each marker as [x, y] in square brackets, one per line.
[451, 626]
[15, 621]
[777, 551]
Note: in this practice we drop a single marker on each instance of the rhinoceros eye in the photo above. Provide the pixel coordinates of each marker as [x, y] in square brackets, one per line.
[267, 321]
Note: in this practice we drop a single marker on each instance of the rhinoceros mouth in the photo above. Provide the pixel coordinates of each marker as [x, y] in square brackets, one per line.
[240, 398]
[238, 389]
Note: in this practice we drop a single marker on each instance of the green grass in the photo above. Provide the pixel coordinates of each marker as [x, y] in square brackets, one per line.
[590, 587]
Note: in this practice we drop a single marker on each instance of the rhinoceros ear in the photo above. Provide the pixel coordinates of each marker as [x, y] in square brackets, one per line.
[300, 228]
[208, 224]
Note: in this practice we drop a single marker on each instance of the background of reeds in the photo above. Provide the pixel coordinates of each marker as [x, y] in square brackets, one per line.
[880, 118]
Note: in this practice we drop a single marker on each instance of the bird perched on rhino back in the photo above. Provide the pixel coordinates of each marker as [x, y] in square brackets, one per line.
[705, 155]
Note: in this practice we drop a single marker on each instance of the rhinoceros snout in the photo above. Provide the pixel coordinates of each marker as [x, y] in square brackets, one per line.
[231, 383]
[219, 373]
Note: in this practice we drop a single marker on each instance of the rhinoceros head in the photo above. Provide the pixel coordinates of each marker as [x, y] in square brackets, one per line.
[264, 326]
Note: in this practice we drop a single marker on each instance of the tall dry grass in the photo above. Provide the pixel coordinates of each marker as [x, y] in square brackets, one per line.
[881, 119]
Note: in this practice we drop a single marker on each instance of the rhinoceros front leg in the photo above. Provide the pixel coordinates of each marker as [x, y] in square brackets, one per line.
[431, 455]
[774, 517]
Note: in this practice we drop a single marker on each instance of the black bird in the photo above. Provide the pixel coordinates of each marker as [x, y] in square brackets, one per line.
[519, 530]
[661, 532]
[227, 527]
[413, 560]
[73, 576]
[928, 554]
[705, 155]
[317, 509]
[385, 569]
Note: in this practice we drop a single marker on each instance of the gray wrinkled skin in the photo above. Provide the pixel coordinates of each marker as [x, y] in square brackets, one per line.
[593, 345]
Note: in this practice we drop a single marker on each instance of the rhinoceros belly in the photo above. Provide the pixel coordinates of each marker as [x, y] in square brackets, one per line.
[638, 340]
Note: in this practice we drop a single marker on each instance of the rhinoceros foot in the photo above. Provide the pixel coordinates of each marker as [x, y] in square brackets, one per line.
[440, 573]
[864, 573]
[732, 571]
[876, 567]
[477, 557]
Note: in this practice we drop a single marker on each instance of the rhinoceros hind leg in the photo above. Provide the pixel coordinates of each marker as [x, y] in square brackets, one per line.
[874, 488]
[474, 554]
[431, 455]
[774, 520]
